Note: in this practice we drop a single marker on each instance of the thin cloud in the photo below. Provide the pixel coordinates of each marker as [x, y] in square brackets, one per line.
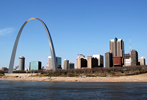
[6, 31]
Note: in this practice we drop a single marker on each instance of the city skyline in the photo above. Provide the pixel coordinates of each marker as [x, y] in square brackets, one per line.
[75, 29]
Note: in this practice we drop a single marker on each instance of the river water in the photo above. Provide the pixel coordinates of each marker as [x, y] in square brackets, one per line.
[33, 90]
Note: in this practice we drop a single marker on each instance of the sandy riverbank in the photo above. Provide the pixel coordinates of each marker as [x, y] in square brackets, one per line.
[133, 78]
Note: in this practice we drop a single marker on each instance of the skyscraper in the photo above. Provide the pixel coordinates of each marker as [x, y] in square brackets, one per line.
[21, 63]
[66, 64]
[113, 46]
[81, 61]
[100, 60]
[134, 58]
[108, 60]
[116, 47]
[50, 66]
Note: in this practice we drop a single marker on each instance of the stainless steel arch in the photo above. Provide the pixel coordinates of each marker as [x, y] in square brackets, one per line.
[11, 64]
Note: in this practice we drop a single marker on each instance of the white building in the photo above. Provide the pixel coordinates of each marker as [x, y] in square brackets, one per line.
[127, 62]
[141, 61]
[100, 60]
[66, 64]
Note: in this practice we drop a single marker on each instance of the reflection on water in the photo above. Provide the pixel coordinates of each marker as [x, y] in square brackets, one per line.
[15, 90]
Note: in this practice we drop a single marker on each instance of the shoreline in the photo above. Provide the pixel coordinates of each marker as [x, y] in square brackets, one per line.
[133, 78]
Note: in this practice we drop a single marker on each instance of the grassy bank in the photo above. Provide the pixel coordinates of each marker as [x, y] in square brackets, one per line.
[94, 72]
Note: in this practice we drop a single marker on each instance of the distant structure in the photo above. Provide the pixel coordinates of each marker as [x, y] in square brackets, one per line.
[134, 58]
[127, 56]
[81, 56]
[116, 47]
[127, 62]
[81, 62]
[21, 63]
[49, 66]
[35, 65]
[71, 65]
[141, 61]
[92, 62]
[89, 62]
[108, 60]
[100, 60]
[11, 64]
[4, 69]
[66, 64]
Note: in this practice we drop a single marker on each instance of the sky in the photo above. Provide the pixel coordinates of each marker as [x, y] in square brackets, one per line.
[76, 27]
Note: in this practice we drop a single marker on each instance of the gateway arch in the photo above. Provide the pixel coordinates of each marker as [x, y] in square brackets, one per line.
[11, 64]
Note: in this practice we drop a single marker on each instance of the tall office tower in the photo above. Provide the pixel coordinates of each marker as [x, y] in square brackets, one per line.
[21, 63]
[113, 46]
[66, 64]
[134, 58]
[100, 60]
[49, 66]
[116, 47]
[141, 61]
[92, 62]
[58, 59]
[35, 65]
[108, 60]
[71, 65]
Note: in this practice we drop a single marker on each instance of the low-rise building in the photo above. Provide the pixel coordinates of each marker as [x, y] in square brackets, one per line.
[141, 61]
[71, 65]
[117, 61]
[127, 62]
[127, 56]
[35, 65]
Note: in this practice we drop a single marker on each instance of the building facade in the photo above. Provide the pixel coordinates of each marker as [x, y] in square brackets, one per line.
[81, 63]
[35, 65]
[127, 62]
[92, 62]
[71, 65]
[134, 58]
[117, 61]
[113, 46]
[21, 63]
[89, 62]
[100, 60]
[66, 64]
[127, 56]
[141, 61]
[108, 60]
[49, 66]
[116, 47]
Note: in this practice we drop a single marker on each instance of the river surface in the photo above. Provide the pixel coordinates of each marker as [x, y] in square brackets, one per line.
[33, 90]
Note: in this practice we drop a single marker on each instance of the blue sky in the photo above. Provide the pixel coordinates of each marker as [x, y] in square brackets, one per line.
[76, 26]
